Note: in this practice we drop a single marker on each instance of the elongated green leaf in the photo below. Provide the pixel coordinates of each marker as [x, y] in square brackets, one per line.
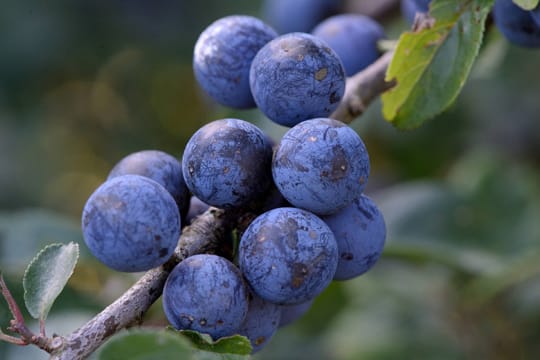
[431, 65]
[236, 344]
[46, 276]
[526, 4]
[146, 345]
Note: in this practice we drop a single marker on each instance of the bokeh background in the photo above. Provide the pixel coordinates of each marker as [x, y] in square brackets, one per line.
[84, 83]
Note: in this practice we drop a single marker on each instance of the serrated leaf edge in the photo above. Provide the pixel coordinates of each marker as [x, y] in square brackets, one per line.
[33, 261]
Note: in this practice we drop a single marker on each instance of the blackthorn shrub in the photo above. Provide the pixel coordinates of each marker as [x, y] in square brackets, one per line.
[206, 293]
[223, 55]
[321, 165]
[227, 163]
[288, 255]
[296, 77]
[354, 39]
[131, 223]
[159, 166]
[516, 24]
[360, 233]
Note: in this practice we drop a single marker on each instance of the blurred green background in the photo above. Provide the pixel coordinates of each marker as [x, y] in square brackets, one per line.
[84, 83]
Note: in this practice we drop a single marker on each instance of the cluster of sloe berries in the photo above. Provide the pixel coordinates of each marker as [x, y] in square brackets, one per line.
[321, 226]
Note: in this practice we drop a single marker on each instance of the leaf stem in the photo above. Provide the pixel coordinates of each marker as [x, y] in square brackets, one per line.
[12, 304]
[12, 339]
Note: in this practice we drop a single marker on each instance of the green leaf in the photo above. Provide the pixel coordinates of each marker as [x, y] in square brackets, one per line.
[46, 276]
[236, 344]
[146, 345]
[431, 65]
[526, 4]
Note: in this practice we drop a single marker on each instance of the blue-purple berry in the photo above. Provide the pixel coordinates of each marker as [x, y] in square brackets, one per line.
[159, 166]
[261, 322]
[227, 163]
[321, 165]
[296, 77]
[516, 24]
[288, 255]
[206, 293]
[354, 38]
[360, 233]
[131, 223]
[223, 55]
[288, 16]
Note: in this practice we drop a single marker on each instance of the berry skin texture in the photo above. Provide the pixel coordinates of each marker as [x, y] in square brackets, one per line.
[360, 233]
[296, 77]
[131, 223]
[288, 256]
[206, 293]
[223, 55]
[354, 39]
[158, 166]
[321, 165]
[516, 24]
[261, 322]
[227, 163]
[299, 15]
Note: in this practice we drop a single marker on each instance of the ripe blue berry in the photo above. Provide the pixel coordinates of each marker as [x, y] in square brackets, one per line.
[223, 55]
[158, 166]
[321, 165]
[516, 24]
[296, 77]
[298, 15]
[206, 293]
[131, 223]
[354, 39]
[288, 255]
[227, 163]
[360, 233]
[261, 322]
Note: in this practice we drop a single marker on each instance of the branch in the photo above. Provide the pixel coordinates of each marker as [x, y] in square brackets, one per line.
[202, 236]
[362, 88]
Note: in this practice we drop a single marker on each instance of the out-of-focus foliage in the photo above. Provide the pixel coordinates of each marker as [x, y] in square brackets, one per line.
[84, 83]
